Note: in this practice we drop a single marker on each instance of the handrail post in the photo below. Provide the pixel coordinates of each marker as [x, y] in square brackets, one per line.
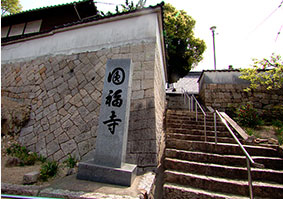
[250, 178]
[196, 111]
[205, 138]
[215, 127]
[189, 100]
[192, 103]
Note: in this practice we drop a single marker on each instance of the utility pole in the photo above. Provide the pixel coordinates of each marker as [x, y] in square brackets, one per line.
[213, 36]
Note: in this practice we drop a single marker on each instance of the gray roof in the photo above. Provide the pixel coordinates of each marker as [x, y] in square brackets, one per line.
[189, 83]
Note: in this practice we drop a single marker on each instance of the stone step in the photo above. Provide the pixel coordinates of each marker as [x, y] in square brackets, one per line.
[274, 163]
[194, 126]
[222, 185]
[177, 120]
[223, 171]
[210, 138]
[185, 112]
[173, 191]
[197, 132]
[220, 148]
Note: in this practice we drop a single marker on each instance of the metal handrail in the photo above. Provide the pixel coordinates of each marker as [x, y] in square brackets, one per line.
[235, 137]
[191, 99]
[248, 157]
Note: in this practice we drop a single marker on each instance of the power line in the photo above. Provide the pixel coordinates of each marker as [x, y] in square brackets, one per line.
[279, 32]
[115, 4]
[267, 17]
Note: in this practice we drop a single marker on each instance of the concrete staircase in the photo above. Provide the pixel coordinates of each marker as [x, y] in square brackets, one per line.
[195, 169]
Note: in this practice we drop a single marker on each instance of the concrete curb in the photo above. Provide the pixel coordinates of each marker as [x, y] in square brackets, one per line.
[145, 187]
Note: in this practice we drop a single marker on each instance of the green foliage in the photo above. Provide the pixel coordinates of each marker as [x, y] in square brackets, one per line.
[128, 6]
[10, 7]
[248, 116]
[280, 139]
[48, 170]
[70, 162]
[184, 51]
[264, 73]
[42, 159]
[27, 157]
[250, 131]
[278, 128]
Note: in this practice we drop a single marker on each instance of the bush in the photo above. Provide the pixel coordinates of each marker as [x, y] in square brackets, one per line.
[26, 156]
[70, 162]
[48, 169]
[273, 113]
[248, 116]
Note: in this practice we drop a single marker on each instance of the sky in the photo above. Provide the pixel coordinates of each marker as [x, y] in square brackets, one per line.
[245, 29]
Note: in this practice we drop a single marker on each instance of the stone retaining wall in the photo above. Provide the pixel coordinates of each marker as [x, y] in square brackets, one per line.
[226, 96]
[64, 92]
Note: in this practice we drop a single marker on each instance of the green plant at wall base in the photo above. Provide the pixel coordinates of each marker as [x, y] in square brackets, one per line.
[42, 159]
[70, 162]
[21, 152]
[280, 139]
[275, 112]
[278, 128]
[250, 131]
[48, 170]
[248, 116]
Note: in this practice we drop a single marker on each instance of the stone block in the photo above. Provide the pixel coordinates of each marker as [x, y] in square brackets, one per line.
[138, 94]
[75, 99]
[150, 55]
[138, 75]
[92, 106]
[138, 104]
[40, 144]
[12, 162]
[58, 156]
[136, 85]
[148, 83]
[83, 111]
[52, 147]
[137, 48]
[82, 137]
[84, 147]
[74, 131]
[147, 160]
[72, 83]
[67, 125]
[63, 138]
[149, 93]
[68, 147]
[54, 126]
[49, 137]
[120, 176]
[31, 177]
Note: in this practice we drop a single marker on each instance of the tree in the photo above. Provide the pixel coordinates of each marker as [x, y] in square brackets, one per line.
[130, 6]
[10, 7]
[184, 51]
[264, 73]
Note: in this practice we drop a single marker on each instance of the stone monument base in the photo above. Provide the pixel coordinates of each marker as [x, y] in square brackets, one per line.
[98, 173]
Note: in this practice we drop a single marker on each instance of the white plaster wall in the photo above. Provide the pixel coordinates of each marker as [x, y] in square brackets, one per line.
[159, 44]
[89, 38]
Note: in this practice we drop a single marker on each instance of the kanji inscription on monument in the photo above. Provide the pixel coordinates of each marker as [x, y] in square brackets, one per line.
[114, 114]
[111, 142]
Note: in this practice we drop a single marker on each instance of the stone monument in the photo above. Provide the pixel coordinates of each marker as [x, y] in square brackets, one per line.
[108, 164]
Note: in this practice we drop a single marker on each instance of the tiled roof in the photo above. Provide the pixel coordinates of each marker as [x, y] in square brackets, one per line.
[83, 21]
[189, 83]
[43, 8]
